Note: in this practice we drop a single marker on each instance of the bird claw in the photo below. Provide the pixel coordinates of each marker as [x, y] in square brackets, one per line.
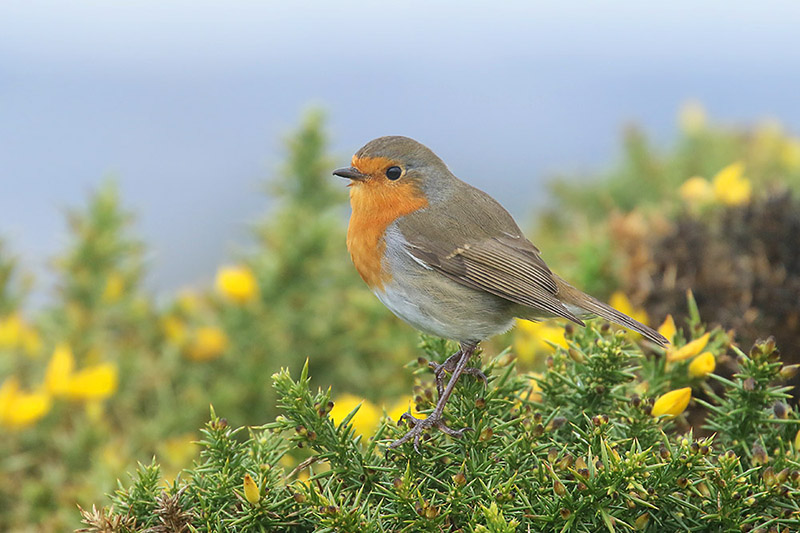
[420, 425]
[440, 369]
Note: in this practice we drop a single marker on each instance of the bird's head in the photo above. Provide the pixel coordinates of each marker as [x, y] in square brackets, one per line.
[396, 165]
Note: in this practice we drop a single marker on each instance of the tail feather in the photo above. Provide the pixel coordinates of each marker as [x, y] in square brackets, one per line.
[569, 295]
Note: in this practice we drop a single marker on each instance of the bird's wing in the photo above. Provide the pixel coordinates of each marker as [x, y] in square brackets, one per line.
[485, 250]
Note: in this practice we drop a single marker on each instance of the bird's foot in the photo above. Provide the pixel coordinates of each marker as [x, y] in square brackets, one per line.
[449, 365]
[420, 425]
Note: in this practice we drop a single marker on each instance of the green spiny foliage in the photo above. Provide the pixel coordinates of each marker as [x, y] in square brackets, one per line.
[575, 449]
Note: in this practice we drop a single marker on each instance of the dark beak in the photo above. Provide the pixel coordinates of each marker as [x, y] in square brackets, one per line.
[350, 173]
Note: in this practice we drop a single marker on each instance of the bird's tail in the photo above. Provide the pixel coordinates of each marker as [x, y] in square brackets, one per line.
[571, 296]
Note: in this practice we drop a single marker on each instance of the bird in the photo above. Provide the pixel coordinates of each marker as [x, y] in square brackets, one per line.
[449, 260]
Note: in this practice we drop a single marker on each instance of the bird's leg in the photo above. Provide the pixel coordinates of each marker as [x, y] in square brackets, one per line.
[449, 366]
[435, 419]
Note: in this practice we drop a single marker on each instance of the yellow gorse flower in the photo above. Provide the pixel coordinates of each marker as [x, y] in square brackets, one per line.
[790, 153]
[20, 409]
[237, 284]
[672, 403]
[174, 329]
[365, 420]
[621, 303]
[10, 331]
[251, 492]
[208, 342]
[730, 185]
[667, 328]
[59, 370]
[689, 350]
[94, 382]
[16, 333]
[531, 338]
[114, 288]
[702, 365]
[696, 191]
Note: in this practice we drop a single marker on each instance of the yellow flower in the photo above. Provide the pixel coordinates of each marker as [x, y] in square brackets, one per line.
[208, 342]
[702, 365]
[94, 383]
[667, 328]
[621, 303]
[790, 153]
[730, 187]
[365, 420]
[21, 409]
[189, 302]
[174, 329]
[10, 331]
[672, 403]
[58, 374]
[115, 287]
[251, 492]
[692, 117]
[237, 284]
[536, 337]
[696, 191]
[403, 405]
[16, 333]
[689, 350]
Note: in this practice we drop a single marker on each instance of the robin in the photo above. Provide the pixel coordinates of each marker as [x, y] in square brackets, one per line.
[449, 260]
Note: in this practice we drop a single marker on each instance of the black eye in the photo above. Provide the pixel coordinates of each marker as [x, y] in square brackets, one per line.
[393, 173]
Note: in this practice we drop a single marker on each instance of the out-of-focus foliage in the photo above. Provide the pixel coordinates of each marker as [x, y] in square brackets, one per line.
[718, 213]
[104, 376]
[598, 445]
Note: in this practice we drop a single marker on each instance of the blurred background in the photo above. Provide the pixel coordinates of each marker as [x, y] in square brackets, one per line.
[170, 234]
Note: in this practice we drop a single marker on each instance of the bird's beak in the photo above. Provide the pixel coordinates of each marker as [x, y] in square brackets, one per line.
[350, 173]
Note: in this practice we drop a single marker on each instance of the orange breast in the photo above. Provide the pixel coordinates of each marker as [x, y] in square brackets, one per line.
[377, 203]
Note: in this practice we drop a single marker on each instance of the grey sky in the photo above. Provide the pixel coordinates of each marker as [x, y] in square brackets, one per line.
[185, 102]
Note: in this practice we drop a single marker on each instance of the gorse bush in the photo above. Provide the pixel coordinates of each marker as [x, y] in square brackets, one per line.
[106, 374]
[590, 446]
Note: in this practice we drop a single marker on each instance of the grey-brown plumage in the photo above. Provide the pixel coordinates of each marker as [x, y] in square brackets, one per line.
[485, 250]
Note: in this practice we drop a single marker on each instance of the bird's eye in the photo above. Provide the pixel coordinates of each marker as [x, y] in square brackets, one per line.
[393, 173]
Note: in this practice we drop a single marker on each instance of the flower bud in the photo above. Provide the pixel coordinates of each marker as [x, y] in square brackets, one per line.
[552, 454]
[251, 492]
[781, 410]
[769, 477]
[760, 456]
[556, 423]
[789, 371]
[559, 488]
[641, 521]
[577, 356]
